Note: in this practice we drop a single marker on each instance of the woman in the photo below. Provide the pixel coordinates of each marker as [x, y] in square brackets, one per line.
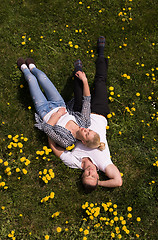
[60, 124]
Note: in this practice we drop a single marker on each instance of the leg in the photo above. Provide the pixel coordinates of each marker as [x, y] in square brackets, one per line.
[38, 97]
[78, 88]
[48, 87]
[99, 103]
[78, 94]
[114, 176]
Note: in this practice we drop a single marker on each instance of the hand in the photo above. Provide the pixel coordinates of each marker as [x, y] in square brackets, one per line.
[62, 111]
[81, 76]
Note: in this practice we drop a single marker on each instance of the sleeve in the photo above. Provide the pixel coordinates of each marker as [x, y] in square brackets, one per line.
[86, 108]
[49, 130]
[69, 160]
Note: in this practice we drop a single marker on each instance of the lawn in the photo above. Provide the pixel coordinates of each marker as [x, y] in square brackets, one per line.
[40, 197]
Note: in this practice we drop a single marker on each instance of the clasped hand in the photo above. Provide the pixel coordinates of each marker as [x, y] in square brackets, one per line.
[62, 111]
[81, 76]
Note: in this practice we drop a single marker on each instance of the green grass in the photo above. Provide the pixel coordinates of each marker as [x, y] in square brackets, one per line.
[132, 142]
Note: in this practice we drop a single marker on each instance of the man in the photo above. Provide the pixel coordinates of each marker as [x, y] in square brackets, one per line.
[92, 160]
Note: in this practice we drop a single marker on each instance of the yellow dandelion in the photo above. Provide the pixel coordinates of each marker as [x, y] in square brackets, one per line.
[109, 115]
[58, 229]
[76, 46]
[46, 237]
[129, 209]
[24, 171]
[5, 163]
[86, 232]
[138, 219]
[111, 88]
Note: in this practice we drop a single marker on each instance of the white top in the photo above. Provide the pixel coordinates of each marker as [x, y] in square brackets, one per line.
[63, 120]
[101, 159]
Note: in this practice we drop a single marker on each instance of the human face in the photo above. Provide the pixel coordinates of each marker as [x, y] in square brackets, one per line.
[90, 175]
[86, 134]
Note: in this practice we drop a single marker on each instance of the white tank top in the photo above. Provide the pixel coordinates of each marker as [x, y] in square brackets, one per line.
[63, 119]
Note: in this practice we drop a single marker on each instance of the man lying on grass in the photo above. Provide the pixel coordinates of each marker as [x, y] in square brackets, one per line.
[82, 157]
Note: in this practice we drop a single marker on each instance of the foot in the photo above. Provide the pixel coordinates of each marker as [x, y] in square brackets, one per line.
[20, 62]
[78, 65]
[101, 45]
[101, 41]
[30, 61]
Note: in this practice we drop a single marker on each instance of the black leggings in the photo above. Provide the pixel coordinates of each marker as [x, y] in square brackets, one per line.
[99, 100]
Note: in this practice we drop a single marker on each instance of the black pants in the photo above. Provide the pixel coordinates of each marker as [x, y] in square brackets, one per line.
[99, 101]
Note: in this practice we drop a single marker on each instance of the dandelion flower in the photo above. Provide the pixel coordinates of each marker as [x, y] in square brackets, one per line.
[86, 232]
[24, 171]
[46, 237]
[111, 88]
[58, 229]
[129, 209]
[138, 219]
[109, 115]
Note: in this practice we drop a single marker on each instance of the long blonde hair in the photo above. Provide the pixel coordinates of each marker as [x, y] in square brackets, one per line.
[95, 143]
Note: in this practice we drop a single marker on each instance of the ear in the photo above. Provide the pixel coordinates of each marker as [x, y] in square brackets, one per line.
[84, 142]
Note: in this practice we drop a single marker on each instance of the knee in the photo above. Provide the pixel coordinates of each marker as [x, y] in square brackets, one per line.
[42, 75]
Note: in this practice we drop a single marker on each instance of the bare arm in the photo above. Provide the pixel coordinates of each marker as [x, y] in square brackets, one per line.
[56, 116]
[83, 78]
[114, 176]
[56, 149]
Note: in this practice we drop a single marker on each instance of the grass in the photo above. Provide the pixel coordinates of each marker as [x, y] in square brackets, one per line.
[47, 28]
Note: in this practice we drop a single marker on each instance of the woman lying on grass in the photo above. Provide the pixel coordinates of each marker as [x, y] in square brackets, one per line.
[63, 126]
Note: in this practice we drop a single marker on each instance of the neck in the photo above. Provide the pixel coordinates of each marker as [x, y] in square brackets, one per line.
[74, 130]
[85, 163]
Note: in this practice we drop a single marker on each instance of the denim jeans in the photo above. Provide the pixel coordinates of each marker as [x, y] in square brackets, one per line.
[43, 104]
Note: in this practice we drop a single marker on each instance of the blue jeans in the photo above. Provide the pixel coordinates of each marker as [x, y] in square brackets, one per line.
[53, 99]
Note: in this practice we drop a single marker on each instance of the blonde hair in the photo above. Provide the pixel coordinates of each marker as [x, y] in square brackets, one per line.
[95, 143]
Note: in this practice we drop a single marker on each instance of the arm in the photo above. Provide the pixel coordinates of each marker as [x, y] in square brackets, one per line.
[56, 116]
[83, 78]
[114, 176]
[66, 156]
[56, 149]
